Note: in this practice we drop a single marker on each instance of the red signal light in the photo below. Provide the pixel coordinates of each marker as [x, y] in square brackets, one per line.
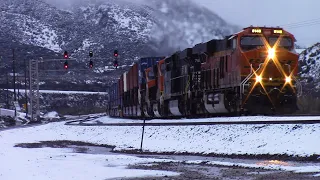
[115, 53]
[65, 55]
[66, 65]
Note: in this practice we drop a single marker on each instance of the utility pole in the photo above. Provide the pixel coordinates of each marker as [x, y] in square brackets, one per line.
[7, 90]
[25, 85]
[14, 81]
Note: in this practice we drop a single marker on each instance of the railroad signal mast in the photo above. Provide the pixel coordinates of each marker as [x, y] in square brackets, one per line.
[115, 54]
[91, 62]
[66, 56]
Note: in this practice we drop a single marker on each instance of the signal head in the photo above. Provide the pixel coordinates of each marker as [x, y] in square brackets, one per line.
[91, 54]
[115, 63]
[66, 65]
[91, 64]
[65, 55]
[115, 53]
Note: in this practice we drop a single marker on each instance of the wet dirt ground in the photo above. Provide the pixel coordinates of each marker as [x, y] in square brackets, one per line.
[188, 171]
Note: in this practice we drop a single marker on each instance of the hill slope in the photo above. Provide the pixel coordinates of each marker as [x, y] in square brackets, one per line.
[309, 64]
[38, 29]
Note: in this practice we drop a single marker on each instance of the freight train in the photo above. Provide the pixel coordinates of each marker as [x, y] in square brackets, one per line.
[250, 72]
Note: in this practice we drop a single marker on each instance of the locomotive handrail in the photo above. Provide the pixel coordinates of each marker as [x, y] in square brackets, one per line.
[248, 77]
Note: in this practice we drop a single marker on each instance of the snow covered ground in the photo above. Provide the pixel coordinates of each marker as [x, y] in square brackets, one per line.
[57, 164]
[6, 112]
[47, 163]
[108, 120]
[287, 139]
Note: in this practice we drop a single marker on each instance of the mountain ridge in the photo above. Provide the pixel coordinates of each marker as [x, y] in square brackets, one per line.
[136, 30]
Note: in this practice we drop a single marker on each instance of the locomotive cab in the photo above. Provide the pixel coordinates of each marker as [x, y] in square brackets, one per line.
[268, 64]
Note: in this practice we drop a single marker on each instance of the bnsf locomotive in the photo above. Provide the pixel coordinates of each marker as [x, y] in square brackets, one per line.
[250, 72]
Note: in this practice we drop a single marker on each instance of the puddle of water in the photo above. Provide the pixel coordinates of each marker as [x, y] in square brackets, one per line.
[91, 149]
[261, 162]
[262, 173]
[82, 147]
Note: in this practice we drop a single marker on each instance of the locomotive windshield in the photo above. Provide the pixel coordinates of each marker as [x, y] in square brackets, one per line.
[285, 42]
[253, 42]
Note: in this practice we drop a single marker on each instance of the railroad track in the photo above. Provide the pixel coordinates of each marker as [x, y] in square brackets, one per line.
[147, 123]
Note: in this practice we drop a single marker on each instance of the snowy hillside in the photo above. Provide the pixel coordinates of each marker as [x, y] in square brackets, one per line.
[31, 31]
[147, 29]
[183, 24]
[309, 68]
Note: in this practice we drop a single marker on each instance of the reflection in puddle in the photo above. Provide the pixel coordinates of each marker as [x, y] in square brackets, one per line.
[274, 162]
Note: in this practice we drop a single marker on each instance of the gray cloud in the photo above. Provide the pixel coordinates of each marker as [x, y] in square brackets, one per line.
[252, 12]
[271, 13]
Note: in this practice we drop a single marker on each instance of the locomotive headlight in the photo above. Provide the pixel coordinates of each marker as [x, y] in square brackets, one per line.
[271, 53]
[288, 79]
[258, 79]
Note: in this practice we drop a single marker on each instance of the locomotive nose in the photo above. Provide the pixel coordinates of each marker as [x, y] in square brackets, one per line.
[271, 53]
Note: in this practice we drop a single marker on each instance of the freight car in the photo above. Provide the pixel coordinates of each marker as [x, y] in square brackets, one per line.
[253, 72]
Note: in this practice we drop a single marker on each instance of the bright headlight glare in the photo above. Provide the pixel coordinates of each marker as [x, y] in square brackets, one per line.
[288, 79]
[271, 53]
[258, 79]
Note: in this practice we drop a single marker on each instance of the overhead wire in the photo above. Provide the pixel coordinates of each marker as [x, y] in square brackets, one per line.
[300, 24]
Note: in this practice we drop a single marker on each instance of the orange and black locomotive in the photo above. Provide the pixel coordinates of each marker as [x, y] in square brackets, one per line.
[253, 71]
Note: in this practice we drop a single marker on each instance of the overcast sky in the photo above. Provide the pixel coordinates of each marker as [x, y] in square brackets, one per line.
[302, 15]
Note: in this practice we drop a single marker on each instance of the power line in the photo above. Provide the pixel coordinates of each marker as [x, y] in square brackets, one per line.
[299, 22]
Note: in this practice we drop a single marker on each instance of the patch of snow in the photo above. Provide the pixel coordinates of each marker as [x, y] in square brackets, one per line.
[51, 115]
[57, 164]
[40, 163]
[289, 139]
[35, 32]
[299, 51]
[86, 44]
[311, 60]
[6, 112]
